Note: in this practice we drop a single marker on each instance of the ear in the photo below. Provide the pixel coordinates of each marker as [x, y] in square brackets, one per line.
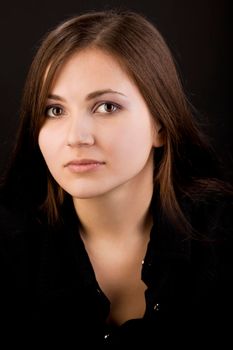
[158, 136]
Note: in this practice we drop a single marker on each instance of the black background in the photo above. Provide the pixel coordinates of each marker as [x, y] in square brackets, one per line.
[198, 33]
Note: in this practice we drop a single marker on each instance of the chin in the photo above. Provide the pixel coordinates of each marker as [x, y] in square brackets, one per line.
[88, 194]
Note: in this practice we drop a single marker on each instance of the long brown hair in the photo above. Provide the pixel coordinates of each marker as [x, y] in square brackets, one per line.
[185, 158]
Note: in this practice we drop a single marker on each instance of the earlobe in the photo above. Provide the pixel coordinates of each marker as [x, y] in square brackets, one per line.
[160, 130]
[158, 137]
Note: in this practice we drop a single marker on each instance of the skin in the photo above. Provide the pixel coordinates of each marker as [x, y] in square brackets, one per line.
[79, 129]
[111, 199]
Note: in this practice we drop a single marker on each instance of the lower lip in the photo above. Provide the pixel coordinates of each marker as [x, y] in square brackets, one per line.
[82, 168]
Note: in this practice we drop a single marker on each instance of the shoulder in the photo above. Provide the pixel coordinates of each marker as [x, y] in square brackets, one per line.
[210, 213]
[12, 220]
[18, 232]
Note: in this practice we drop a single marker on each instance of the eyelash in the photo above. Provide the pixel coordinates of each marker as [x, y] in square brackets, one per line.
[53, 107]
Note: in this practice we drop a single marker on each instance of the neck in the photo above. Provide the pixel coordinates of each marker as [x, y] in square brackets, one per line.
[123, 211]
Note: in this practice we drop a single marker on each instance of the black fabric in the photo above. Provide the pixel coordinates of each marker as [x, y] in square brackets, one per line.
[49, 295]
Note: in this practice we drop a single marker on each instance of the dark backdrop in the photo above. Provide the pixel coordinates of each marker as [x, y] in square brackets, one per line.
[198, 33]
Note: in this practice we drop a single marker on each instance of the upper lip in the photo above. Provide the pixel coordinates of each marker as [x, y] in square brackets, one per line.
[84, 162]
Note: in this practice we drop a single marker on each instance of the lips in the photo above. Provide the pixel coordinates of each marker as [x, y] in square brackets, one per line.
[83, 165]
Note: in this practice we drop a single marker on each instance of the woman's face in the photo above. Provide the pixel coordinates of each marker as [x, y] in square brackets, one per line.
[98, 133]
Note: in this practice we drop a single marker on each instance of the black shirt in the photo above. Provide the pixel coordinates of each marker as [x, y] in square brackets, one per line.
[49, 293]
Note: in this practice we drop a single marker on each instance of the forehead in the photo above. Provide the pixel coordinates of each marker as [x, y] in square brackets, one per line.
[93, 68]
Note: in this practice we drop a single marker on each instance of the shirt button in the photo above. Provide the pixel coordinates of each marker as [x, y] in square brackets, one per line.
[106, 336]
[157, 307]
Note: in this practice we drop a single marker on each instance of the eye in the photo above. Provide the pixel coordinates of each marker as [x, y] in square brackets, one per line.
[107, 108]
[54, 111]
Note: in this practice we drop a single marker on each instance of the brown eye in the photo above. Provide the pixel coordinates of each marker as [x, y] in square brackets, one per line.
[107, 108]
[53, 111]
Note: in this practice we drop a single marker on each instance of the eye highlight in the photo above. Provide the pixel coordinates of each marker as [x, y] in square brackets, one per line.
[54, 111]
[107, 108]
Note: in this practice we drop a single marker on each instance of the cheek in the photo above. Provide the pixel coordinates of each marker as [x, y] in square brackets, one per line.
[130, 143]
[47, 145]
[43, 142]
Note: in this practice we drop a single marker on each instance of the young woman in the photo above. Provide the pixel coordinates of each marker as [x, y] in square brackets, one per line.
[115, 226]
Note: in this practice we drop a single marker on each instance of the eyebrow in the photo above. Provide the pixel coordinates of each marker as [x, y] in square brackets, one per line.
[98, 93]
[90, 96]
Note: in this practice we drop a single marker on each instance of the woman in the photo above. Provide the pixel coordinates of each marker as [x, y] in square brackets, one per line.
[115, 225]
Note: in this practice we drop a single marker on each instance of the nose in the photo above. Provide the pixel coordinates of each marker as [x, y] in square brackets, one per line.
[80, 132]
